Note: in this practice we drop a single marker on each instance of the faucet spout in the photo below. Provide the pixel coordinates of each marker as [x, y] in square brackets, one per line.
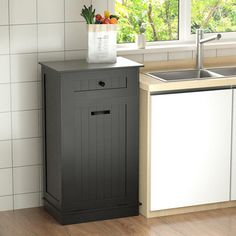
[216, 37]
[200, 49]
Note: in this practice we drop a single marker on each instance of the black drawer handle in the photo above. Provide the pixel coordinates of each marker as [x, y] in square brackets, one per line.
[102, 83]
[95, 113]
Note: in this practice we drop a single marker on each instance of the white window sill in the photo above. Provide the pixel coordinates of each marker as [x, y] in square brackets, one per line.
[130, 49]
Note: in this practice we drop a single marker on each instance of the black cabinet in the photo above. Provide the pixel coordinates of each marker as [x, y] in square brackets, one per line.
[91, 140]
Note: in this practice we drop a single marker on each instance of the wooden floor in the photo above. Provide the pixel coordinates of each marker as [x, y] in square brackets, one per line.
[36, 222]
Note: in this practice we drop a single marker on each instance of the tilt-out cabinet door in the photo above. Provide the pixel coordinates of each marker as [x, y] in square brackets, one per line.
[100, 150]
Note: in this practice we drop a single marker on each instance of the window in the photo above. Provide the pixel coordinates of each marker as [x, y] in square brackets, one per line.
[166, 20]
[159, 18]
[213, 15]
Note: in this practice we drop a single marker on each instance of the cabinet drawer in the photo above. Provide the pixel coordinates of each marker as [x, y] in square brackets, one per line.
[99, 81]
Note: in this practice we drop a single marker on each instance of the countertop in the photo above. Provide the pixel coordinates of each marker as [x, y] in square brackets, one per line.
[150, 84]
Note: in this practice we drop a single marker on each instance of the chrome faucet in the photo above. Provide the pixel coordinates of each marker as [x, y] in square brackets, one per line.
[200, 49]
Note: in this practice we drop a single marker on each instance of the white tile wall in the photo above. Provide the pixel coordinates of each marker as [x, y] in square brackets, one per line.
[73, 9]
[6, 182]
[111, 6]
[51, 56]
[208, 53]
[6, 203]
[5, 126]
[23, 11]
[26, 179]
[50, 11]
[41, 199]
[23, 38]
[3, 12]
[100, 6]
[40, 123]
[24, 67]
[33, 31]
[24, 96]
[5, 97]
[26, 200]
[156, 57]
[4, 39]
[226, 52]
[75, 55]
[4, 68]
[27, 152]
[74, 31]
[180, 55]
[5, 154]
[51, 37]
[25, 124]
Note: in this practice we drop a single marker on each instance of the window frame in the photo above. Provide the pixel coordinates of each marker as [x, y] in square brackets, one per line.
[185, 35]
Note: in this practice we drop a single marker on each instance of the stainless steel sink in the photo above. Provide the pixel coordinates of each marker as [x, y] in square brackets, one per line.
[227, 71]
[182, 75]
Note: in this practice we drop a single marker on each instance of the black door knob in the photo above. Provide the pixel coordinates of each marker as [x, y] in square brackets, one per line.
[101, 83]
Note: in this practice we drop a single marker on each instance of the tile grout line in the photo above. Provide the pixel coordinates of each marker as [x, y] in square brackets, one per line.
[38, 79]
[23, 110]
[20, 82]
[22, 138]
[22, 166]
[42, 52]
[84, 49]
[17, 194]
[64, 30]
[11, 115]
[45, 23]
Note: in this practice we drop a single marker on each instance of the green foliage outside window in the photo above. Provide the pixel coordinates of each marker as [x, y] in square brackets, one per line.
[161, 18]
[214, 15]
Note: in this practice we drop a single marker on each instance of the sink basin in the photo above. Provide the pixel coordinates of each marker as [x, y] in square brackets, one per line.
[227, 71]
[182, 75]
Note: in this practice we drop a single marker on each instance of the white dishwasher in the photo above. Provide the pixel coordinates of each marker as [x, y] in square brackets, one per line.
[190, 148]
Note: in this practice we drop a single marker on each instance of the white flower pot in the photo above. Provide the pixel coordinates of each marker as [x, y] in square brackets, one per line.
[140, 41]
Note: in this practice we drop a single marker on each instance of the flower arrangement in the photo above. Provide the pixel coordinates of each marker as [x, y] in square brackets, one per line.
[91, 18]
[102, 35]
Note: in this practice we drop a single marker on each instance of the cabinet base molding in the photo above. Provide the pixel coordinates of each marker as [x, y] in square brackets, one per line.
[190, 209]
[74, 217]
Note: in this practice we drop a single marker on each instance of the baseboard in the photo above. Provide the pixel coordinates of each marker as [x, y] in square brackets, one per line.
[190, 209]
[75, 217]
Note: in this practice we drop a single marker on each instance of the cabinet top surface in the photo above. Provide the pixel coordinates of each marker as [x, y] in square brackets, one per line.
[83, 65]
